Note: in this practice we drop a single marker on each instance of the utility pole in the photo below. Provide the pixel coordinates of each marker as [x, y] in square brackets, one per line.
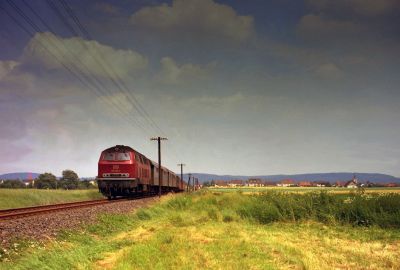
[181, 164]
[188, 184]
[159, 139]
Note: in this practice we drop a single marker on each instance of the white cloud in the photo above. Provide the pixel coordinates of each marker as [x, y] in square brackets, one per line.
[85, 54]
[196, 18]
[172, 73]
[6, 67]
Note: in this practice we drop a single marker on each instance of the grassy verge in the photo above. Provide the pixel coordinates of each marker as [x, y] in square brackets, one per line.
[209, 230]
[14, 198]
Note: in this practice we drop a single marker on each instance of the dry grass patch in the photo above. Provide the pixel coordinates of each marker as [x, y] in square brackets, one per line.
[139, 234]
[110, 259]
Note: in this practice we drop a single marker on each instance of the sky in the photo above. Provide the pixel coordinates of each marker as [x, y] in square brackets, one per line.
[238, 87]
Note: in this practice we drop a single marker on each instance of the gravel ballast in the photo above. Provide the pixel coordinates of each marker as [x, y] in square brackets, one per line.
[46, 226]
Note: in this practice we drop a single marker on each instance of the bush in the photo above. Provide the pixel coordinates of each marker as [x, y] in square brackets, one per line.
[12, 184]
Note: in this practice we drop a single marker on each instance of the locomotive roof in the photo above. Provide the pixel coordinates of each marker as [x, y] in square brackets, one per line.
[124, 148]
[128, 148]
[120, 147]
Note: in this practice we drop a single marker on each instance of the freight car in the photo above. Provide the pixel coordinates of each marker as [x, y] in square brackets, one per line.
[123, 171]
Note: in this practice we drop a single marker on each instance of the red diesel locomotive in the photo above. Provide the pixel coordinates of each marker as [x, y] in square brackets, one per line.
[123, 171]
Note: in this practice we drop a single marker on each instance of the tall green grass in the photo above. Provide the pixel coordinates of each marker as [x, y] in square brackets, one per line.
[355, 208]
[15, 198]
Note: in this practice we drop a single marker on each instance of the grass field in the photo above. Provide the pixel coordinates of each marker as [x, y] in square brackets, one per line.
[209, 230]
[14, 198]
[305, 189]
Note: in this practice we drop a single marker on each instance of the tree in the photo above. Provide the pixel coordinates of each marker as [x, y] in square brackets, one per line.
[69, 180]
[46, 181]
[12, 184]
[206, 184]
[86, 184]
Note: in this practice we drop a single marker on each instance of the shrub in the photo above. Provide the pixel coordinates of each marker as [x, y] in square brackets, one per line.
[12, 184]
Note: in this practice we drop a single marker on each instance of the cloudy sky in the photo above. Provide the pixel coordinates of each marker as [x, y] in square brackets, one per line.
[238, 87]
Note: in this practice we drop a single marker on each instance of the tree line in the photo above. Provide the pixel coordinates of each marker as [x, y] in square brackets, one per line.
[69, 180]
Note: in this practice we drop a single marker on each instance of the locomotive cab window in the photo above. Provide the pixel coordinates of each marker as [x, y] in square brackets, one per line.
[123, 156]
[109, 156]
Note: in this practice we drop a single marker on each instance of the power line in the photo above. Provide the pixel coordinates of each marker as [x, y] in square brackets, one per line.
[93, 78]
[113, 75]
[84, 79]
[118, 82]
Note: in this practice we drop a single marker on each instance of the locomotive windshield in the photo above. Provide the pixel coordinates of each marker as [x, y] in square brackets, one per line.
[109, 156]
[123, 156]
[116, 156]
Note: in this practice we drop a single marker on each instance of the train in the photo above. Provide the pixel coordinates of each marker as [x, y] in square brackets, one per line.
[125, 172]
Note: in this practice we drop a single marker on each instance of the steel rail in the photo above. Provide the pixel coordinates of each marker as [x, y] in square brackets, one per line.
[16, 213]
[35, 210]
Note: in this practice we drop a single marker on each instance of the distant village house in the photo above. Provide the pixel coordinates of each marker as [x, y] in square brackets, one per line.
[286, 183]
[255, 183]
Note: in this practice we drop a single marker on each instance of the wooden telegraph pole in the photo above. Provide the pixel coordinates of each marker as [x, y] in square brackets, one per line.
[181, 164]
[159, 139]
[188, 184]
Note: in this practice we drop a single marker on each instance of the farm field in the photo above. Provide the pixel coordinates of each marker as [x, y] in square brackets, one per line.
[304, 189]
[15, 198]
[213, 230]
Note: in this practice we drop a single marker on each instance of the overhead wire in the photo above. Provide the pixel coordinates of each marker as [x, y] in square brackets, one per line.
[119, 82]
[64, 20]
[134, 100]
[92, 83]
[114, 77]
[84, 79]
[106, 92]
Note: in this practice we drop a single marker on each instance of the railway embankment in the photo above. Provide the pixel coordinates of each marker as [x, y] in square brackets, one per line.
[216, 230]
[47, 225]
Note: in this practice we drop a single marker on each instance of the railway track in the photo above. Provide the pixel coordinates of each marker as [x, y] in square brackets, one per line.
[36, 210]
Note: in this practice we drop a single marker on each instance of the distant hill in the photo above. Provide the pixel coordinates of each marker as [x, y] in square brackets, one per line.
[331, 177]
[19, 175]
